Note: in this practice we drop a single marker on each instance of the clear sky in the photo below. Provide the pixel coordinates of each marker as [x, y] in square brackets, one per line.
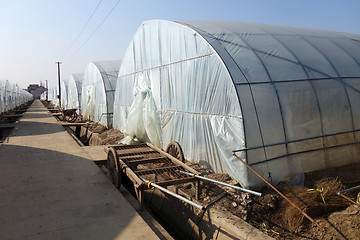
[36, 33]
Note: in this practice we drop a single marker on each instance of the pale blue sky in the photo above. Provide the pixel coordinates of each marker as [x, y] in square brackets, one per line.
[36, 33]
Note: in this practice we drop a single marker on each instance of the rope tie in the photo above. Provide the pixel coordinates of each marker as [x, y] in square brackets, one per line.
[320, 191]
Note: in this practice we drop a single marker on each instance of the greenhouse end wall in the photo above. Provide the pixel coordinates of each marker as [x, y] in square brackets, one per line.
[74, 94]
[98, 88]
[178, 78]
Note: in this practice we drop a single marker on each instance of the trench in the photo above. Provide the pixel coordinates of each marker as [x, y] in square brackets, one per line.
[9, 119]
[179, 219]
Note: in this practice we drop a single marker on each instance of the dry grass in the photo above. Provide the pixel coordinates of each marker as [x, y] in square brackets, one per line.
[315, 202]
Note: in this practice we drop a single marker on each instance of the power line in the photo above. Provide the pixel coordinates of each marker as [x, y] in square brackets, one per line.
[98, 27]
[82, 30]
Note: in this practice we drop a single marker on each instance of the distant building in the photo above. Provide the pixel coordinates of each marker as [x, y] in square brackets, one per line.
[36, 90]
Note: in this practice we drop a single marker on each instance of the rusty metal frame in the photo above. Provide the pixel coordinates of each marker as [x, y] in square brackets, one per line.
[129, 157]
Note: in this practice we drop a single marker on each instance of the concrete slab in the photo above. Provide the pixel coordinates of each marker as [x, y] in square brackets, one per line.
[96, 153]
[50, 190]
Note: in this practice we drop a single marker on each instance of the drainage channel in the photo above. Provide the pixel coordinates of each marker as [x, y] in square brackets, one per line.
[9, 119]
[181, 220]
[82, 136]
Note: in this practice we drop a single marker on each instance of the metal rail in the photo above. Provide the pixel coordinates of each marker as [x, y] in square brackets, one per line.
[345, 197]
[296, 141]
[151, 184]
[348, 190]
[221, 183]
[340, 193]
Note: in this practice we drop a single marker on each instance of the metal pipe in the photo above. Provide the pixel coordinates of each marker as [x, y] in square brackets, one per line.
[297, 140]
[345, 197]
[282, 195]
[301, 152]
[348, 190]
[221, 183]
[151, 184]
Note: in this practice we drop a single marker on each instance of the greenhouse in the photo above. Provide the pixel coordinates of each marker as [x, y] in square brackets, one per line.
[2, 96]
[53, 93]
[64, 87]
[98, 89]
[8, 96]
[74, 93]
[12, 96]
[285, 97]
[24, 96]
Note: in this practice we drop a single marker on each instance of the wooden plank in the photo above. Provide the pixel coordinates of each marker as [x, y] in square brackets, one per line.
[176, 181]
[157, 170]
[174, 160]
[147, 160]
[135, 152]
[56, 114]
[132, 146]
[133, 177]
[72, 124]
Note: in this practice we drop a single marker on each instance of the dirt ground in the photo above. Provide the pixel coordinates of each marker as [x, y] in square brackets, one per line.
[13, 111]
[107, 136]
[270, 213]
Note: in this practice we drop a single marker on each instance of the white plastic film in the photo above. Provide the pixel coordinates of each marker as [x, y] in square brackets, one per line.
[189, 89]
[74, 93]
[12, 96]
[143, 123]
[98, 90]
[64, 94]
[220, 86]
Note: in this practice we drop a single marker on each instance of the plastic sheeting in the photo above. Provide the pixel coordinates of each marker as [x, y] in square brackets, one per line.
[53, 92]
[74, 93]
[98, 89]
[53, 96]
[8, 96]
[221, 86]
[24, 96]
[64, 93]
[143, 123]
[2, 96]
[15, 95]
[188, 86]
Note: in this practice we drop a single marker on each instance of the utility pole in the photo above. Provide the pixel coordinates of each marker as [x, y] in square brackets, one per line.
[58, 63]
[47, 90]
